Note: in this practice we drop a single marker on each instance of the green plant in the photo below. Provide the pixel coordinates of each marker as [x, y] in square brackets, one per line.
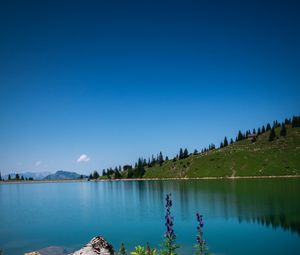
[150, 251]
[122, 250]
[139, 250]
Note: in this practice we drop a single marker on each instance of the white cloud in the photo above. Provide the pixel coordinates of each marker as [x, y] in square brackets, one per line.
[38, 163]
[83, 158]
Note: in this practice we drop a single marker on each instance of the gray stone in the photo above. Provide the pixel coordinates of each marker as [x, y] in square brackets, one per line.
[98, 245]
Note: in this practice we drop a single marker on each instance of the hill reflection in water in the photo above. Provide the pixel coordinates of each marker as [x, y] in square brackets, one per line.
[269, 202]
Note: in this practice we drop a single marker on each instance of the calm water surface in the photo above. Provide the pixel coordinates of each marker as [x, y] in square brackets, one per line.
[241, 216]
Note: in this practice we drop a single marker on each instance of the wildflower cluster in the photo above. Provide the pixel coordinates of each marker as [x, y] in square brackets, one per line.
[169, 245]
[201, 244]
[169, 219]
[170, 237]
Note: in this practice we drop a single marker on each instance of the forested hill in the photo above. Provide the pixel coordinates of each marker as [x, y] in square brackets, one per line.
[265, 151]
[253, 156]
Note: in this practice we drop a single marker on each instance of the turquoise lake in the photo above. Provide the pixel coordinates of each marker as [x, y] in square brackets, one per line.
[256, 216]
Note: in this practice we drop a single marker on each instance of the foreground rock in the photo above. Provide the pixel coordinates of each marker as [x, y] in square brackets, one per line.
[97, 246]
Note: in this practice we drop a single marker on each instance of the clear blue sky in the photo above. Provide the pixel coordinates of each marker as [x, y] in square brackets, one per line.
[116, 80]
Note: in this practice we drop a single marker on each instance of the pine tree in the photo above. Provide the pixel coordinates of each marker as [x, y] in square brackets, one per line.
[152, 160]
[283, 130]
[231, 141]
[95, 175]
[272, 134]
[253, 132]
[225, 142]
[268, 127]
[240, 136]
[167, 158]
[160, 159]
[139, 170]
[211, 147]
[195, 152]
[17, 177]
[185, 153]
[117, 174]
[287, 121]
[22, 178]
[0, 177]
[221, 145]
[180, 153]
[263, 130]
[258, 131]
[104, 172]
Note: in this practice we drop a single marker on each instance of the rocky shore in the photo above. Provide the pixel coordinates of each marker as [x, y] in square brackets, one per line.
[97, 246]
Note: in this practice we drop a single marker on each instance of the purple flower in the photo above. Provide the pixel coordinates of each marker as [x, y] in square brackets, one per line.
[169, 219]
[170, 237]
[200, 220]
[200, 241]
[198, 216]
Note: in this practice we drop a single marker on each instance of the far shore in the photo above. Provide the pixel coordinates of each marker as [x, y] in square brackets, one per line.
[157, 179]
[41, 181]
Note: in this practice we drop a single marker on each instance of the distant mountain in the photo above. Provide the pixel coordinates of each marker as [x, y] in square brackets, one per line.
[62, 175]
[35, 176]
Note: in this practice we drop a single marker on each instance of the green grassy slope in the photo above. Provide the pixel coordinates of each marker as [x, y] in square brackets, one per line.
[261, 158]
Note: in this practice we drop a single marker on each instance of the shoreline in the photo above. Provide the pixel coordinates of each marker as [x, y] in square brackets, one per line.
[158, 179]
[206, 178]
[42, 181]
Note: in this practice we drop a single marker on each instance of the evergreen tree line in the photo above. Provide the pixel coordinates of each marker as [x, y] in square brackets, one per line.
[18, 177]
[242, 136]
[140, 166]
